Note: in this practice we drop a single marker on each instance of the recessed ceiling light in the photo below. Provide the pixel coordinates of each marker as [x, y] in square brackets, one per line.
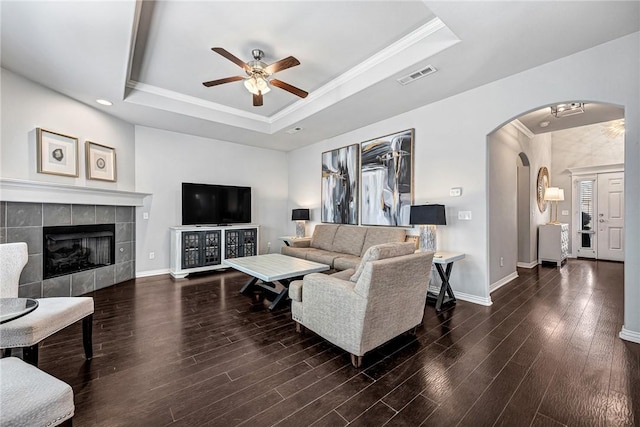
[293, 130]
[104, 102]
[544, 124]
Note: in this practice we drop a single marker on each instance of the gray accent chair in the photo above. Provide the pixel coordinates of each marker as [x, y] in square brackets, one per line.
[51, 315]
[361, 309]
[31, 397]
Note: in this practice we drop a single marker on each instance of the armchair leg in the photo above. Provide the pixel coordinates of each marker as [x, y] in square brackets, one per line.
[299, 328]
[30, 355]
[356, 361]
[87, 336]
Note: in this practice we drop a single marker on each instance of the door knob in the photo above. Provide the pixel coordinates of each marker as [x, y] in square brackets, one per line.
[602, 220]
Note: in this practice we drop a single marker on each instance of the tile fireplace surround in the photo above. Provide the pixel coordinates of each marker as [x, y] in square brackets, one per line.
[24, 222]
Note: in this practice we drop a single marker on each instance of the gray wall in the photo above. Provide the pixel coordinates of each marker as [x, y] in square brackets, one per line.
[23, 222]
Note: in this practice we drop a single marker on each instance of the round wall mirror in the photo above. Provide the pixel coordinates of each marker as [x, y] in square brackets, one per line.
[543, 183]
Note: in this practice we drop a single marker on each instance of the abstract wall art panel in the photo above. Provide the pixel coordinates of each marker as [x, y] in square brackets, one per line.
[387, 179]
[340, 185]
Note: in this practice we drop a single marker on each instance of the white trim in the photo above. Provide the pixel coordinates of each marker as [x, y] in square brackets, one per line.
[500, 283]
[591, 170]
[522, 128]
[18, 190]
[532, 264]
[150, 273]
[628, 335]
[473, 298]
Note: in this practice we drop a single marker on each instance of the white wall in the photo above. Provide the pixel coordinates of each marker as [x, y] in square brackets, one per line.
[504, 147]
[164, 160]
[451, 151]
[27, 106]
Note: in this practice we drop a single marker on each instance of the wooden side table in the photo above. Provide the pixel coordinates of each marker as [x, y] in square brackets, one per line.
[444, 264]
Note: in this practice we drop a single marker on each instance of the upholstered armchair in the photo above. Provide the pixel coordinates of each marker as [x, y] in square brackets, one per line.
[51, 315]
[358, 310]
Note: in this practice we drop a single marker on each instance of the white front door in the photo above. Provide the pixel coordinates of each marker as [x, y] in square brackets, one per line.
[609, 221]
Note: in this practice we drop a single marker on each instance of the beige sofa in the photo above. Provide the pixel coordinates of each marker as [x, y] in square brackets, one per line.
[358, 310]
[342, 246]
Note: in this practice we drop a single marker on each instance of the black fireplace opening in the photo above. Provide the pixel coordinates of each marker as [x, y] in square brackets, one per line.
[72, 248]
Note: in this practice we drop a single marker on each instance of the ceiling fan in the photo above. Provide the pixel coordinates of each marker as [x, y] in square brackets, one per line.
[259, 74]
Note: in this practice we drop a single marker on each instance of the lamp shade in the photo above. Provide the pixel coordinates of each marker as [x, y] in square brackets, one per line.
[300, 215]
[427, 215]
[554, 194]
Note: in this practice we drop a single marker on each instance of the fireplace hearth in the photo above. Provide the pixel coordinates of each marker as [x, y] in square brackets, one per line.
[74, 248]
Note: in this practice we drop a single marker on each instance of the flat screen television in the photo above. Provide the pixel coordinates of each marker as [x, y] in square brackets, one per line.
[206, 204]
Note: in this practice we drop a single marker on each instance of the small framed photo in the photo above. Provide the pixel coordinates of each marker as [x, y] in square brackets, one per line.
[57, 153]
[101, 162]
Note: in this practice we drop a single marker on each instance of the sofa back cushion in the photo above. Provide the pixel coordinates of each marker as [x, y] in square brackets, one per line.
[349, 239]
[383, 251]
[380, 235]
[323, 236]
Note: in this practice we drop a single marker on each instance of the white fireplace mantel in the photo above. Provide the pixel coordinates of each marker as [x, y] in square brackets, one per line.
[17, 190]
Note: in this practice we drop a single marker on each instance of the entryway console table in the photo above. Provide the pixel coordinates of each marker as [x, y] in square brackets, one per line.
[203, 248]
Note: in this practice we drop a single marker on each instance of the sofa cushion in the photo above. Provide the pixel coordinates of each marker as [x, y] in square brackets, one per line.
[345, 262]
[323, 236]
[349, 239]
[383, 251]
[380, 235]
[295, 252]
[322, 256]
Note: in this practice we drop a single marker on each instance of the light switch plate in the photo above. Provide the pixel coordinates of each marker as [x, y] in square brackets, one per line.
[464, 215]
[455, 192]
[565, 212]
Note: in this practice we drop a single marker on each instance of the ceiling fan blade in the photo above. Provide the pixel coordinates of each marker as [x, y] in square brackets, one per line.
[283, 64]
[286, 86]
[222, 81]
[257, 99]
[231, 58]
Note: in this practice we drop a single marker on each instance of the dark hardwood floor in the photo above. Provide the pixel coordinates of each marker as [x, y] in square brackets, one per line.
[194, 352]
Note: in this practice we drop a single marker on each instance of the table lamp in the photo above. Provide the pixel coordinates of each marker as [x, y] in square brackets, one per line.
[427, 217]
[554, 194]
[300, 216]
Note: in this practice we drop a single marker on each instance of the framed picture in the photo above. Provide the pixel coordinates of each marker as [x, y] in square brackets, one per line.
[101, 162]
[57, 153]
[340, 185]
[386, 166]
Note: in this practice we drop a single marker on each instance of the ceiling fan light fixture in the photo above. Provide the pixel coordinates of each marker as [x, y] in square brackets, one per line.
[257, 84]
[566, 110]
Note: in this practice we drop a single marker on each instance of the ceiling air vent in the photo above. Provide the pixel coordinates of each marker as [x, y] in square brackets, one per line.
[429, 69]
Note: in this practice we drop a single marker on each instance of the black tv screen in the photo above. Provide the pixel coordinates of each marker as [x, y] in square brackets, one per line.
[206, 204]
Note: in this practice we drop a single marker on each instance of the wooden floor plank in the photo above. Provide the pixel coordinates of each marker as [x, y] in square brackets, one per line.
[195, 352]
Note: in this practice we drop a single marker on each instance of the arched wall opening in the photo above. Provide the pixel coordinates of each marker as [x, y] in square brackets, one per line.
[515, 155]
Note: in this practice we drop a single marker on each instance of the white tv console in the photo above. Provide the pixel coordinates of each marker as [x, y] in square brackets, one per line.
[203, 248]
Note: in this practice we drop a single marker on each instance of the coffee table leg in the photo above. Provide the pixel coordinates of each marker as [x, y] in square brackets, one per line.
[246, 288]
[282, 296]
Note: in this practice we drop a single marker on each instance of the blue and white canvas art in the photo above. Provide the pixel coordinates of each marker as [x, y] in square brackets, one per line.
[340, 185]
[387, 179]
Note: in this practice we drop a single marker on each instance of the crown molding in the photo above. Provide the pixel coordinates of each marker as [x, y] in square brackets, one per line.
[522, 128]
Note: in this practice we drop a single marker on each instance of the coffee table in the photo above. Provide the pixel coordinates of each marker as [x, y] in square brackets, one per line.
[273, 269]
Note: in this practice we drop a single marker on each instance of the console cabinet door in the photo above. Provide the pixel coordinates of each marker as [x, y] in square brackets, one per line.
[200, 248]
[241, 242]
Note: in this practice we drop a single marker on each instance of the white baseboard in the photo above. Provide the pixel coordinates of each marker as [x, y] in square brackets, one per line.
[500, 283]
[149, 273]
[628, 335]
[532, 264]
[473, 298]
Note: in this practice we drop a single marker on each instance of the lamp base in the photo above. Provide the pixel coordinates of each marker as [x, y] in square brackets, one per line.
[428, 238]
[300, 229]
